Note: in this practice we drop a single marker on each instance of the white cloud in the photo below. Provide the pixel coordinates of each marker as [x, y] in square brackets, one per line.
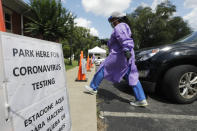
[144, 4]
[83, 22]
[87, 24]
[192, 16]
[105, 7]
[190, 3]
[94, 31]
[63, 1]
[155, 3]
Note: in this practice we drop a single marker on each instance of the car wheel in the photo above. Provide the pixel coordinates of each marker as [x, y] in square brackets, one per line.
[180, 84]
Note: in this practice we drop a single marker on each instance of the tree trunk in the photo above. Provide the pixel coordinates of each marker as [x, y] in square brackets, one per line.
[70, 63]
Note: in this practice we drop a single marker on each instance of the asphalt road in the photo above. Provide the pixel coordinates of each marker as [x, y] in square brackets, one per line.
[160, 115]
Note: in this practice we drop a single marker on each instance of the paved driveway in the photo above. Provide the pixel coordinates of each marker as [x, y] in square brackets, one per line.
[160, 115]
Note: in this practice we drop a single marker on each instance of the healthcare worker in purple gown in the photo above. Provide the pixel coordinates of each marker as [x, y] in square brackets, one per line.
[120, 61]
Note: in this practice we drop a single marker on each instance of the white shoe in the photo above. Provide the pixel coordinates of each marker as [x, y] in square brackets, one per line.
[142, 103]
[90, 90]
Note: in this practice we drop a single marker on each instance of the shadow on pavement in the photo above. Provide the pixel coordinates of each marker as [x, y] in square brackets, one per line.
[160, 98]
[86, 92]
[108, 96]
[124, 87]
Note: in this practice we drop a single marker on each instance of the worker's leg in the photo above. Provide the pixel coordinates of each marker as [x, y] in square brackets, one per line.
[137, 89]
[138, 92]
[98, 77]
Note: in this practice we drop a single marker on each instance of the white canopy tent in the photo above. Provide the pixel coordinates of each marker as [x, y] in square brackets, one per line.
[96, 50]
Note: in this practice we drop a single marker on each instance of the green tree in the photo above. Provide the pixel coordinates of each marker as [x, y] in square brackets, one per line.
[79, 35]
[179, 27]
[69, 37]
[49, 20]
[152, 28]
[82, 40]
[66, 48]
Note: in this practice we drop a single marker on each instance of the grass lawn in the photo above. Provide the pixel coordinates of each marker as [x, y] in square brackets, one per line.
[74, 64]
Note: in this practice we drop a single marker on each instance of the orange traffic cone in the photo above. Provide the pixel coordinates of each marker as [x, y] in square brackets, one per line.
[88, 64]
[2, 23]
[91, 64]
[81, 77]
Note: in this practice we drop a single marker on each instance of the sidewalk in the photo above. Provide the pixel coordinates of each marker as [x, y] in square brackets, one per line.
[82, 105]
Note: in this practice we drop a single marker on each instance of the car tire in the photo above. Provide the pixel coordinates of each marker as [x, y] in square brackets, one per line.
[176, 85]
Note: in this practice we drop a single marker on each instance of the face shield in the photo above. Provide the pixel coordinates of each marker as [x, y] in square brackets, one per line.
[112, 21]
[115, 16]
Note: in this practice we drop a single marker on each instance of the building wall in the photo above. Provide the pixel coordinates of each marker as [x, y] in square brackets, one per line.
[15, 20]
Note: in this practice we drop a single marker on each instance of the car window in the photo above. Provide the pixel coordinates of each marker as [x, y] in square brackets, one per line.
[190, 38]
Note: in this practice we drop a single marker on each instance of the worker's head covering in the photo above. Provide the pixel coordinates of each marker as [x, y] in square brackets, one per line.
[116, 15]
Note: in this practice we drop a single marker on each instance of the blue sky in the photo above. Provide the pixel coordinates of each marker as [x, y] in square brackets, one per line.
[93, 14]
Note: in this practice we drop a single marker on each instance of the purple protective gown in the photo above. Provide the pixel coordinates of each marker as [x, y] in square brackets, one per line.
[116, 65]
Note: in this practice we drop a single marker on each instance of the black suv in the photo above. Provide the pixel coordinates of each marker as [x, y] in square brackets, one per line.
[170, 69]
